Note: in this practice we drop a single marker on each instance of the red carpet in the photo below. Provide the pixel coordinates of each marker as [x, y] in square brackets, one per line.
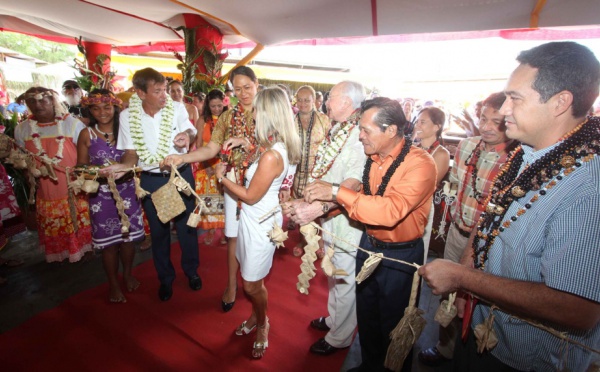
[188, 333]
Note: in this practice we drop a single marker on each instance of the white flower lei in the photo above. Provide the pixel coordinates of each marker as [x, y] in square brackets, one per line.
[60, 138]
[137, 134]
[328, 151]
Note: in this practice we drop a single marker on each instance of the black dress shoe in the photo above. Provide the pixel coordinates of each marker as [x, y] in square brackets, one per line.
[322, 347]
[319, 324]
[195, 283]
[226, 306]
[165, 292]
[432, 357]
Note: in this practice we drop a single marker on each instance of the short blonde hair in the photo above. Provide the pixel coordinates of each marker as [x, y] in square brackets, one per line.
[275, 119]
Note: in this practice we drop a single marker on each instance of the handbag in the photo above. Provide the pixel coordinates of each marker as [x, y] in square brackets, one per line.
[167, 201]
[195, 217]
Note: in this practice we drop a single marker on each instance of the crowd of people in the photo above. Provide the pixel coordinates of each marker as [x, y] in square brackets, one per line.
[521, 249]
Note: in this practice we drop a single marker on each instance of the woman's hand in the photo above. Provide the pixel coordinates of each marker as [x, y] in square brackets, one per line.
[220, 170]
[172, 160]
[116, 170]
[234, 142]
[284, 195]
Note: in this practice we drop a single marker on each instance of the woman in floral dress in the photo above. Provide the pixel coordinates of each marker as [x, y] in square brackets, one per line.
[206, 182]
[96, 146]
[48, 133]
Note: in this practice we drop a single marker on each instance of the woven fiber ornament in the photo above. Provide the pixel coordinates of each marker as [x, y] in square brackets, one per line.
[91, 186]
[485, 335]
[195, 216]
[446, 311]
[125, 224]
[369, 266]
[167, 201]
[5, 145]
[307, 267]
[327, 265]
[277, 235]
[139, 192]
[407, 331]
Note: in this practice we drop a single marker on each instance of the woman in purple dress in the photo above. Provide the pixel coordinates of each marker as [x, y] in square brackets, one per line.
[96, 146]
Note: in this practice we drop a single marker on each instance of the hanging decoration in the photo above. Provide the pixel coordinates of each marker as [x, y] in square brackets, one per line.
[307, 267]
[277, 235]
[407, 331]
[446, 311]
[327, 264]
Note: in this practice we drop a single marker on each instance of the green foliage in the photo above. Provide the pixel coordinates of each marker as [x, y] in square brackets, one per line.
[10, 124]
[97, 76]
[192, 78]
[38, 48]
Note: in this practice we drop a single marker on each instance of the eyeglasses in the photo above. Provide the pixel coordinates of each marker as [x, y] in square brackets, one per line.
[74, 87]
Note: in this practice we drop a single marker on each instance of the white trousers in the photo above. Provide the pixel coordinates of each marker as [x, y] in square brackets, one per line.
[342, 301]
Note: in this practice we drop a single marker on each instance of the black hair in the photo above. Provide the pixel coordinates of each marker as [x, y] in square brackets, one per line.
[494, 100]
[115, 126]
[389, 113]
[243, 70]
[213, 94]
[437, 116]
[565, 65]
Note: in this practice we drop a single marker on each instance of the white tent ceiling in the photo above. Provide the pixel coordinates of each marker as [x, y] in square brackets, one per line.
[268, 22]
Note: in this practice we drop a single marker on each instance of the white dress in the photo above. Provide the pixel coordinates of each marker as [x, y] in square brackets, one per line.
[254, 249]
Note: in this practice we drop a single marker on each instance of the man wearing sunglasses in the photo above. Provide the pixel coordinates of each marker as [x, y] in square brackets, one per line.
[73, 94]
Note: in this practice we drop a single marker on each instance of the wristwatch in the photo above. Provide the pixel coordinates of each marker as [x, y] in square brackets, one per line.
[335, 187]
[324, 207]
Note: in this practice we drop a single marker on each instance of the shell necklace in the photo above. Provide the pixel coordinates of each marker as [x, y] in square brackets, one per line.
[60, 138]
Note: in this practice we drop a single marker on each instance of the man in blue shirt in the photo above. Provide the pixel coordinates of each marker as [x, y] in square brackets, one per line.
[534, 254]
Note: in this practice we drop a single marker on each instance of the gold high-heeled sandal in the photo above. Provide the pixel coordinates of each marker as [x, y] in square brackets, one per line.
[259, 347]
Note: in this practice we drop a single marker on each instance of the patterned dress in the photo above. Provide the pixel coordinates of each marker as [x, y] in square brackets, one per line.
[59, 238]
[11, 222]
[311, 138]
[206, 184]
[106, 223]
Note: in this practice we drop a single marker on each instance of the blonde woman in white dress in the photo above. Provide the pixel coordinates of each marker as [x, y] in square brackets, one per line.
[278, 149]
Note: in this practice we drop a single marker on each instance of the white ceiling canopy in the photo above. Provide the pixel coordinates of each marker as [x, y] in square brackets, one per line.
[268, 22]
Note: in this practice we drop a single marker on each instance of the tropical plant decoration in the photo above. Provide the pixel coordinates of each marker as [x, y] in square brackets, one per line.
[97, 76]
[17, 177]
[193, 79]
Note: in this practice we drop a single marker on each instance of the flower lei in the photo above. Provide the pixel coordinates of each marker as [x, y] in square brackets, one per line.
[60, 138]
[331, 146]
[137, 134]
[97, 99]
[582, 144]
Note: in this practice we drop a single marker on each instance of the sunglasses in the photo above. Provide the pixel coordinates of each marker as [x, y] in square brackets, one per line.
[71, 87]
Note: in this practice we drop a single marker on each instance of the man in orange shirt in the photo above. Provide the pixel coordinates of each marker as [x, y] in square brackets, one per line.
[398, 184]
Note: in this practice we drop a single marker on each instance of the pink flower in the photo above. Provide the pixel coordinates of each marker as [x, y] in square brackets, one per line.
[226, 101]
[2, 128]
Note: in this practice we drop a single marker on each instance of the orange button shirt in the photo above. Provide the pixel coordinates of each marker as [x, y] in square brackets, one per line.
[400, 215]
